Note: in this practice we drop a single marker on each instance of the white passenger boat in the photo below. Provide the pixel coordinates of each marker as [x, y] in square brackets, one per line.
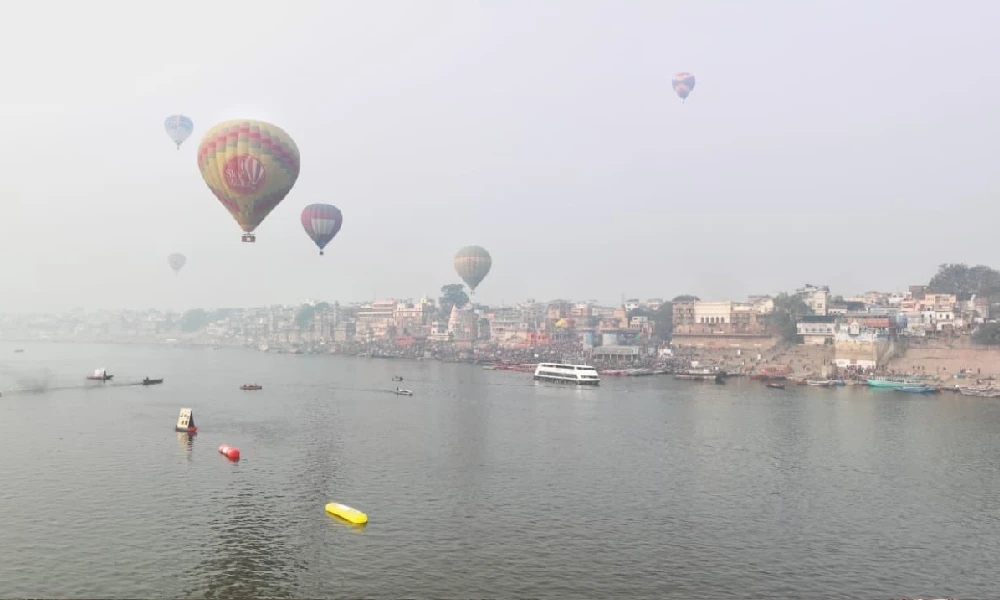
[574, 374]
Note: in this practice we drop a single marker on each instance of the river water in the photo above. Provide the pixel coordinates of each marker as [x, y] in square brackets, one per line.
[482, 485]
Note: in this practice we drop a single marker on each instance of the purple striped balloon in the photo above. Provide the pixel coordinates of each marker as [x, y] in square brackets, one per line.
[322, 222]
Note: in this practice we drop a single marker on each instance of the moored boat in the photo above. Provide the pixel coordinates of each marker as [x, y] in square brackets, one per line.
[819, 382]
[893, 382]
[985, 391]
[917, 389]
[699, 375]
[771, 373]
[775, 385]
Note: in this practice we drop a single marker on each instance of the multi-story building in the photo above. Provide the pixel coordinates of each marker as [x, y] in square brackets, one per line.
[414, 318]
[816, 329]
[376, 318]
[816, 298]
[505, 324]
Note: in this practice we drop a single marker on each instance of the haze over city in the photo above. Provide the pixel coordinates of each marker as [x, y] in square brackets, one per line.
[850, 144]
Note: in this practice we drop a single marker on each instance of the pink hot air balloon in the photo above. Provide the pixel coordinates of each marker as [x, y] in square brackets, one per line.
[683, 83]
[322, 222]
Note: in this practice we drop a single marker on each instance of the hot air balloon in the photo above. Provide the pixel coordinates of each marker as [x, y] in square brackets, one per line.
[322, 222]
[179, 128]
[250, 166]
[683, 83]
[176, 261]
[473, 264]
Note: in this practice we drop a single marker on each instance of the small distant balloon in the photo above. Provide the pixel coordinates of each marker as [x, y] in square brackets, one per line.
[322, 222]
[176, 261]
[179, 128]
[683, 83]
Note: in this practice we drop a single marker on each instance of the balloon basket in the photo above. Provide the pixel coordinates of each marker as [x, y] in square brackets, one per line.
[249, 238]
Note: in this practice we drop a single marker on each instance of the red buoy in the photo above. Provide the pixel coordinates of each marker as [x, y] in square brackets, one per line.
[229, 452]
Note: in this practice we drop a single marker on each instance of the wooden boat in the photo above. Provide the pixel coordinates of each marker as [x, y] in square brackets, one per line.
[250, 387]
[681, 376]
[985, 391]
[917, 389]
[819, 382]
[893, 382]
[775, 385]
[771, 373]
[694, 375]
[148, 381]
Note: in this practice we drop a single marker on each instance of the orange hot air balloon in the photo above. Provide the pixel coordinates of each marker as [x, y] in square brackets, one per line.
[250, 166]
[472, 264]
[683, 83]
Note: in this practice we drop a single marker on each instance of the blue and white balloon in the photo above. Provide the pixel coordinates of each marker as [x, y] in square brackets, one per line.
[179, 128]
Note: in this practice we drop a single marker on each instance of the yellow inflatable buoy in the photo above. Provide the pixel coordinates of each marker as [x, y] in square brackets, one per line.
[351, 515]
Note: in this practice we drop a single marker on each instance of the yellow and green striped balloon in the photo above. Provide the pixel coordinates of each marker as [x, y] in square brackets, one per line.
[250, 166]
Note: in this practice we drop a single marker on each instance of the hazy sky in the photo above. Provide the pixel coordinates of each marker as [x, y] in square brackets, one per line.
[850, 143]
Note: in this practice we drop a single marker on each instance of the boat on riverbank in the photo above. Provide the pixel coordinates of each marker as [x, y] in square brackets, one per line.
[894, 382]
[980, 391]
[820, 382]
[699, 375]
[771, 373]
[694, 377]
[918, 389]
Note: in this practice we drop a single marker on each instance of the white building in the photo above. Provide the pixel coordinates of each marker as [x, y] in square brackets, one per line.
[816, 298]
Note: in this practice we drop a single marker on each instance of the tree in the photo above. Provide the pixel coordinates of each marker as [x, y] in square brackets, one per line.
[662, 319]
[987, 334]
[785, 316]
[305, 317]
[964, 281]
[686, 298]
[452, 295]
[194, 320]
